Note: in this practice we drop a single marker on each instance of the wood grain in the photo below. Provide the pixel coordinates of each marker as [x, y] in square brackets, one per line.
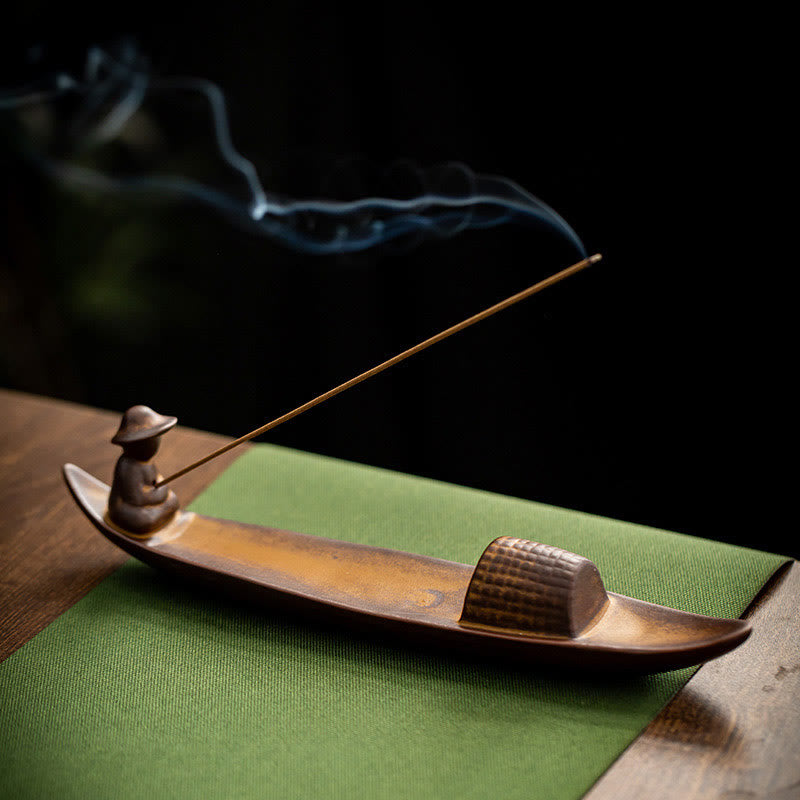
[734, 730]
[50, 556]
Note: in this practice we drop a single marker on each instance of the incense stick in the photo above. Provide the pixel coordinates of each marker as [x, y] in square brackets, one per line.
[481, 315]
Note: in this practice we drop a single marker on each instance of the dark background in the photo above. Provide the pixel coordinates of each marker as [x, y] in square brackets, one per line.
[648, 388]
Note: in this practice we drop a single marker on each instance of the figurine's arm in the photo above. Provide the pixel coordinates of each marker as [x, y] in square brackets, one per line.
[154, 495]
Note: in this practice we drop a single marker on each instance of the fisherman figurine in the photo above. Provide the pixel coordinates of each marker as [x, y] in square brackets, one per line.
[135, 504]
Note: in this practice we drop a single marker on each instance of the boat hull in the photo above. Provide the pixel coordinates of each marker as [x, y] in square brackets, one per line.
[399, 593]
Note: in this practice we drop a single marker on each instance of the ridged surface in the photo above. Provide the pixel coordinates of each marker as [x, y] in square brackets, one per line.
[527, 586]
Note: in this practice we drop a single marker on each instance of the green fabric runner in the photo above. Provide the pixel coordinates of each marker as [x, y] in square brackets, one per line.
[150, 688]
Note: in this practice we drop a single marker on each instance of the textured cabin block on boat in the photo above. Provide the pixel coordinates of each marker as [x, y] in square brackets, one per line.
[537, 588]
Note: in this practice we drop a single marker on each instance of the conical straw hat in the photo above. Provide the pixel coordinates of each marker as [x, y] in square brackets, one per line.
[141, 422]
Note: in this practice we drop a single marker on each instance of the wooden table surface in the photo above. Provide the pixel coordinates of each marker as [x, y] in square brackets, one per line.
[733, 731]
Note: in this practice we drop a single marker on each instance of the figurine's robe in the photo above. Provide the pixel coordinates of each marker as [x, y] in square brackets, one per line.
[135, 505]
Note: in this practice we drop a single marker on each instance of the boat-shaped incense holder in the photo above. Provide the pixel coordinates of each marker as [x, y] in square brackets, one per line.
[523, 601]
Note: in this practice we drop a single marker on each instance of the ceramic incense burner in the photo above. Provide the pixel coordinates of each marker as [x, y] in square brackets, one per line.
[523, 601]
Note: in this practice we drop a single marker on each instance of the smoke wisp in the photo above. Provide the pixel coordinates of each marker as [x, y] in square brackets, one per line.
[112, 89]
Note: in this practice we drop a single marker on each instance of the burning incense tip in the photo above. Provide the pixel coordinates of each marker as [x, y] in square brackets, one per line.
[595, 258]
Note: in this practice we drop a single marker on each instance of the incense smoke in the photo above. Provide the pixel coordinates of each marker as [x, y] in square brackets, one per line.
[112, 90]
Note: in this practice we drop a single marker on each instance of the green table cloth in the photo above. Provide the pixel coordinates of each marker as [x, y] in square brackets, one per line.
[150, 687]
